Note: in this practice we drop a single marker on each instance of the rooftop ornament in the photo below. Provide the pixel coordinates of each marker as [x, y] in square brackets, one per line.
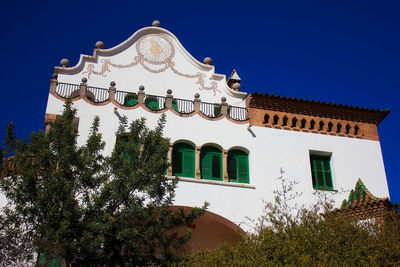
[207, 61]
[156, 23]
[99, 45]
[236, 86]
[64, 63]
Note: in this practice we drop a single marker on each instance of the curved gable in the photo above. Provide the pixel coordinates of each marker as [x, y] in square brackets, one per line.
[155, 58]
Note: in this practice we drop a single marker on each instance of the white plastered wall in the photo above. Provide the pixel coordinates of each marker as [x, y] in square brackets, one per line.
[269, 150]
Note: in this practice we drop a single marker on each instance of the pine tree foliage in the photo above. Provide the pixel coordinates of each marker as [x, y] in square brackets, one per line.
[80, 207]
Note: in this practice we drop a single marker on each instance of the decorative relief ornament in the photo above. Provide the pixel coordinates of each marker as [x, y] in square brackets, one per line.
[155, 49]
[155, 54]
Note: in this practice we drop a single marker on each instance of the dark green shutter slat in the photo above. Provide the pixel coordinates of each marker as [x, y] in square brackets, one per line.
[177, 162]
[232, 169]
[183, 160]
[238, 166]
[328, 180]
[188, 163]
[206, 166]
[243, 169]
[216, 166]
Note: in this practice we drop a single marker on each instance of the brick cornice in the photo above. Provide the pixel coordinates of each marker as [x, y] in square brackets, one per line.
[318, 109]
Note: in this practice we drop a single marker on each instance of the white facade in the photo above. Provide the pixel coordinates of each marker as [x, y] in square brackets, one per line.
[167, 65]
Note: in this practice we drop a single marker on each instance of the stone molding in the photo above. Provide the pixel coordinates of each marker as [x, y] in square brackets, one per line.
[213, 182]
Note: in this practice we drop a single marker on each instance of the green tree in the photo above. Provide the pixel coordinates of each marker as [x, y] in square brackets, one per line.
[80, 207]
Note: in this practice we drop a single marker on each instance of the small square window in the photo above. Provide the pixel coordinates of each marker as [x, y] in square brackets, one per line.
[321, 172]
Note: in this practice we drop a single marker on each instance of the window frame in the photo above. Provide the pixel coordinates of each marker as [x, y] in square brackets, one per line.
[212, 151]
[180, 148]
[238, 155]
[321, 166]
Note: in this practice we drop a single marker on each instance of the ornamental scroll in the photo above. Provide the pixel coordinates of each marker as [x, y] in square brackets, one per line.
[155, 54]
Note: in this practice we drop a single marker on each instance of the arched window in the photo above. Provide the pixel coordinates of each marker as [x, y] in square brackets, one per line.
[294, 122]
[312, 124]
[276, 120]
[238, 166]
[339, 128]
[266, 118]
[183, 160]
[356, 130]
[211, 163]
[348, 127]
[303, 123]
[330, 125]
[284, 121]
[321, 126]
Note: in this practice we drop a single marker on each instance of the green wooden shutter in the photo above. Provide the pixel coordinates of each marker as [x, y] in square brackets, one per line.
[166, 163]
[177, 162]
[321, 172]
[232, 169]
[188, 163]
[183, 160]
[216, 166]
[238, 166]
[211, 163]
[206, 166]
[243, 169]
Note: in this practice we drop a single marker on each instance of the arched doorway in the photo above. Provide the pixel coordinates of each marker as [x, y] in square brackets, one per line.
[210, 231]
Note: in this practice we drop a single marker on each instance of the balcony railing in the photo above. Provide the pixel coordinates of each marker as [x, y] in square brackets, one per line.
[183, 106]
[238, 113]
[210, 110]
[126, 99]
[67, 90]
[153, 102]
[97, 95]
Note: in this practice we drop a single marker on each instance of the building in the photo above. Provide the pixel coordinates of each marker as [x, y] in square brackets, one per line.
[227, 147]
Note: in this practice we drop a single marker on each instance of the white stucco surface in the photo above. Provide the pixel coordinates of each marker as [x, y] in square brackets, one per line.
[269, 150]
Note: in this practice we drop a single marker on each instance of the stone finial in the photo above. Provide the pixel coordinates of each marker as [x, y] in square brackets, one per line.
[207, 61]
[236, 86]
[64, 62]
[197, 95]
[141, 88]
[54, 76]
[112, 83]
[169, 91]
[156, 23]
[99, 45]
[223, 99]
[84, 80]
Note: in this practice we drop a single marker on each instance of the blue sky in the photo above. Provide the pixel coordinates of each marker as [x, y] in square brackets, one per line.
[344, 52]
